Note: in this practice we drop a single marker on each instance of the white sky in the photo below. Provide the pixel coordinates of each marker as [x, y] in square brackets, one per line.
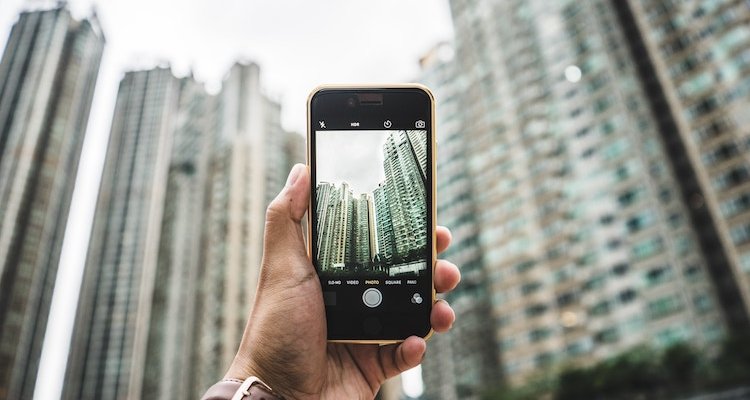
[354, 157]
[299, 44]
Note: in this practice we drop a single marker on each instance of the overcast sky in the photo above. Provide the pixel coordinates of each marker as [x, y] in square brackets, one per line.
[354, 157]
[298, 44]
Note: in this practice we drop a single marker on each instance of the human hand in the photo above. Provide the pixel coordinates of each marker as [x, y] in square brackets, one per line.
[284, 342]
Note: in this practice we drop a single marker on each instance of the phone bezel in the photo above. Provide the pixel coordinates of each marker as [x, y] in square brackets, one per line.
[430, 127]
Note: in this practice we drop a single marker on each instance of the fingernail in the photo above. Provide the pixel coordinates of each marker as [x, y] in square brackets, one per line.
[294, 174]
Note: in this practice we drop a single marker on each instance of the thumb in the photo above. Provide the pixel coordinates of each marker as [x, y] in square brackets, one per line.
[283, 238]
[291, 202]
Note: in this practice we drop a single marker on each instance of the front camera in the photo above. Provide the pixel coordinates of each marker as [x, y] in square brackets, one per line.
[351, 102]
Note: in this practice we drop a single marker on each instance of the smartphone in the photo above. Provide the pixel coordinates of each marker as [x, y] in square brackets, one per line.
[371, 221]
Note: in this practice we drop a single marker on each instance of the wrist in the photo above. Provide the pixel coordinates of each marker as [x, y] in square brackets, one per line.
[251, 388]
[239, 373]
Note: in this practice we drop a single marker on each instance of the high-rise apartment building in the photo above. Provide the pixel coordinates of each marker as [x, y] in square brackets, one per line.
[362, 229]
[460, 363]
[249, 162]
[404, 163]
[111, 332]
[47, 77]
[693, 59]
[172, 364]
[177, 238]
[589, 246]
[335, 238]
[386, 239]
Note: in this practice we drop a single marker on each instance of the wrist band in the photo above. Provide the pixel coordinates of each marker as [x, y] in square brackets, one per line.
[251, 388]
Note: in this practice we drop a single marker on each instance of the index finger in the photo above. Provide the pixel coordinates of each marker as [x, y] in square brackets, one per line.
[443, 235]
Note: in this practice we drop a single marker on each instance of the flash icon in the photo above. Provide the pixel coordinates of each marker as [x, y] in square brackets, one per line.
[322, 124]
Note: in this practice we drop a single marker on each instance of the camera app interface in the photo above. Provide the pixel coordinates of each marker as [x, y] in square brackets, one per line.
[371, 212]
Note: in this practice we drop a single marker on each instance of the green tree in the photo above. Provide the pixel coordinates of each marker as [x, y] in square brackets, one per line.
[734, 360]
[681, 362]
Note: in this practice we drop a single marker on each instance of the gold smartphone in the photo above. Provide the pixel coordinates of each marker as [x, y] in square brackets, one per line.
[371, 153]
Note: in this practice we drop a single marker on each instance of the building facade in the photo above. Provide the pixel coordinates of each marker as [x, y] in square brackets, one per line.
[111, 331]
[461, 362]
[335, 237]
[177, 238]
[589, 245]
[249, 162]
[404, 164]
[693, 60]
[47, 77]
[172, 364]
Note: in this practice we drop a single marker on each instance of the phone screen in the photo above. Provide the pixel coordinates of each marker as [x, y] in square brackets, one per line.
[372, 226]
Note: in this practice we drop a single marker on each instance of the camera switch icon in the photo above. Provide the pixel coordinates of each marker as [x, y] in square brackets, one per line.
[419, 124]
[387, 123]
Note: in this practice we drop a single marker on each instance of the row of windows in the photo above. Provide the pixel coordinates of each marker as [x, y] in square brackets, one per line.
[731, 178]
[736, 205]
[664, 306]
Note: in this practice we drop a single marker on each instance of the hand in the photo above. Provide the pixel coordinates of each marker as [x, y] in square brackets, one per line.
[284, 342]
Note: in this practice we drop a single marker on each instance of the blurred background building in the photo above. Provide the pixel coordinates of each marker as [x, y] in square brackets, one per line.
[108, 349]
[599, 214]
[249, 163]
[176, 247]
[47, 77]
[466, 358]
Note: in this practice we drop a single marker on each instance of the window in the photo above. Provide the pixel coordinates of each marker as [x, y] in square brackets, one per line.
[664, 306]
[734, 177]
[704, 107]
[657, 275]
[524, 266]
[683, 244]
[608, 128]
[736, 205]
[672, 335]
[627, 295]
[566, 299]
[675, 220]
[529, 288]
[602, 104]
[594, 283]
[648, 247]
[601, 308]
[640, 221]
[713, 129]
[536, 310]
[620, 269]
[721, 153]
[575, 349]
[609, 335]
[628, 197]
[702, 303]
[544, 359]
[537, 335]
[692, 272]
